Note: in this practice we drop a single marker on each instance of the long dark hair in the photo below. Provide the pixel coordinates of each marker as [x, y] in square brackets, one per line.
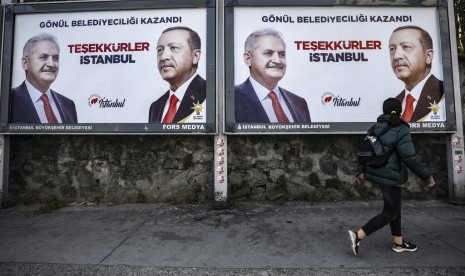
[393, 108]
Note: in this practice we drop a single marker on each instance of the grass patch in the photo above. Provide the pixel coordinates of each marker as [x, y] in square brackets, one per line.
[187, 161]
[317, 196]
[141, 198]
[281, 182]
[49, 207]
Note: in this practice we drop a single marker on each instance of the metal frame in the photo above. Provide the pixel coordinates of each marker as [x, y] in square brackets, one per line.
[220, 159]
[232, 128]
[455, 145]
[208, 128]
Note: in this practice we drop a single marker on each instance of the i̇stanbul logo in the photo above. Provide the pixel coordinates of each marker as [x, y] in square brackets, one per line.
[329, 98]
[96, 100]
[93, 100]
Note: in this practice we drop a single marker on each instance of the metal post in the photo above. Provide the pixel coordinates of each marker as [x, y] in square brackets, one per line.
[4, 140]
[4, 153]
[221, 155]
[455, 147]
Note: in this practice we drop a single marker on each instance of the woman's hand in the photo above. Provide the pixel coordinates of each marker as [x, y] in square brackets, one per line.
[430, 182]
[360, 178]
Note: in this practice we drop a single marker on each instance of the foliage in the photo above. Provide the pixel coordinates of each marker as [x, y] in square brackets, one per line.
[459, 6]
[50, 206]
[141, 198]
[187, 161]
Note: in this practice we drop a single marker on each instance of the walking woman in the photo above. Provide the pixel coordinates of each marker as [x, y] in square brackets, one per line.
[390, 177]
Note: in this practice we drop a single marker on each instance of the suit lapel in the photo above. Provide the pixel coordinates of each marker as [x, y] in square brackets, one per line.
[59, 105]
[290, 105]
[159, 107]
[252, 103]
[432, 92]
[26, 105]
[401, 96]
[195, 92]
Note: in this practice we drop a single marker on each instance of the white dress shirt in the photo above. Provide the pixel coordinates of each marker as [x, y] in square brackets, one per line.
[35, 94]
[262, 93]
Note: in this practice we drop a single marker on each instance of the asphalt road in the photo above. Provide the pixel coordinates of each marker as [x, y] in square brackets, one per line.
[243, 239]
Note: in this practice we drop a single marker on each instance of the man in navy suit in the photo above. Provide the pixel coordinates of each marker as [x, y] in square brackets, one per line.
[411, 52]
[178, 55]
[259, 99]
[33, 101]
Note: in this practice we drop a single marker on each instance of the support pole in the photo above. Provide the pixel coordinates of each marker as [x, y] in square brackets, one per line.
[221, 155]
[4, 153]
[455, 147]
[4, 140]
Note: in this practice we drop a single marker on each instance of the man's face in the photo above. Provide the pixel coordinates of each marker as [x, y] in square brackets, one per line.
[267, 61]
[175, 58]
[408, 58]
[42, 64]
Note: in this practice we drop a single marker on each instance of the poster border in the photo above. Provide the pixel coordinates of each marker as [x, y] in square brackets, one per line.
[231, 127]
[9, 13]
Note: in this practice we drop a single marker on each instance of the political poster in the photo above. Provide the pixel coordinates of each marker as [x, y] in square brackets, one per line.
[112, 71]
[332, 68]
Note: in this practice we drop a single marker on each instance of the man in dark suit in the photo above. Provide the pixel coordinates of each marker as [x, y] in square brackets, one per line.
[259, 99]
[178, 55]
[411, 51]
[33, 101]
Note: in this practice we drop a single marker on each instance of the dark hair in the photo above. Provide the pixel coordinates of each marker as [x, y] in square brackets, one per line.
[393, 108]
[194, 38]
[425, 38]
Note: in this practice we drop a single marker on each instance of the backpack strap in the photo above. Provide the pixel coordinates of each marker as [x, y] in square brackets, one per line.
[388, 127]
[371, 130]
[383, 131]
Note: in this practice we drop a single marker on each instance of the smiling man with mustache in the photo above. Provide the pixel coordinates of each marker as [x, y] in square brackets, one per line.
[411, 52]
[33, 101]
[259, 99]
[178, 55]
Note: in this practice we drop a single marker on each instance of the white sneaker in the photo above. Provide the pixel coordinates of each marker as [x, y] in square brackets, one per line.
[405, 246]
[354, 241]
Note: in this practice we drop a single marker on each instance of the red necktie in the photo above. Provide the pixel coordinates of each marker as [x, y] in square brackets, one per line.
[48, 110]
[407, 114]
[278, 110]
[171, 110]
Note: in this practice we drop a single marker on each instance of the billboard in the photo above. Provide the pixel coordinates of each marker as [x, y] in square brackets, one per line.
[109, 67]
[332, 67]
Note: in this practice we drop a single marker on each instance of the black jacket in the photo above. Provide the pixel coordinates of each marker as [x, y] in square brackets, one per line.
[394, 172]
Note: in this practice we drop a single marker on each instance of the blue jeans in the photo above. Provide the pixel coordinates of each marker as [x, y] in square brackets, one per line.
[391, 213]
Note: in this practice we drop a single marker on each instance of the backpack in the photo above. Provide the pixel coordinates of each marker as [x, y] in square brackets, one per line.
[370, 150]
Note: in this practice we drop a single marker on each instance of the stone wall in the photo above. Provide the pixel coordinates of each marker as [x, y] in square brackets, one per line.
[175, 169]
[178, 169]
[317, 168]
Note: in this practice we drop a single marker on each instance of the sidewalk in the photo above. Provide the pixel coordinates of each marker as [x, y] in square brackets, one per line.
[246, 239]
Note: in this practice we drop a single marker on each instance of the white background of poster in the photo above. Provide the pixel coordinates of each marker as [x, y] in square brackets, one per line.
[373, 81]
[139, 83]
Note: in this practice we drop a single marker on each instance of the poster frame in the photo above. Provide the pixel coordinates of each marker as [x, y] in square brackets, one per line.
[231, 127]
[10, 12]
